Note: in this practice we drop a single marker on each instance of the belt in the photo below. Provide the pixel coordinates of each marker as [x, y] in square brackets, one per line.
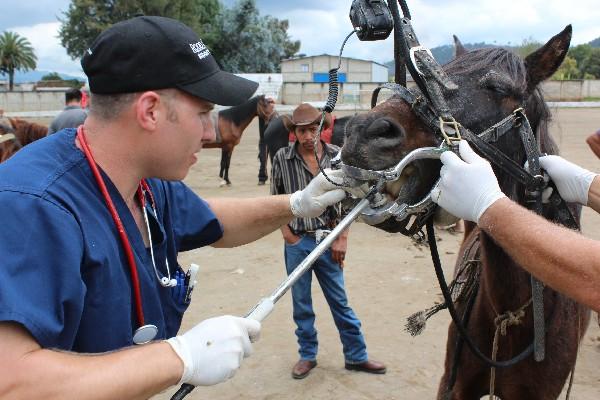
[306, 233]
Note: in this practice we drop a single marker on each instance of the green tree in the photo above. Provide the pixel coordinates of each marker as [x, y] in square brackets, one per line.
[567, 70]
[591, 64]
[580, 53]
[85, 19]
[254, 43]
[588, 60]
[52, 76]
[528, 46]
[16, 54]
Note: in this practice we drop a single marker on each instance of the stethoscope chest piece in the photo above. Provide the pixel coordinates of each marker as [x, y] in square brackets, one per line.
[145, 334]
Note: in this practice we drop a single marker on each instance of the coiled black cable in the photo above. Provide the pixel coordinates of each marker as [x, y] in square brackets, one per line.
[334, 87]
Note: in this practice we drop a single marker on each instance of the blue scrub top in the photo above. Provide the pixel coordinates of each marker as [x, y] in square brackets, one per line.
[63, 273]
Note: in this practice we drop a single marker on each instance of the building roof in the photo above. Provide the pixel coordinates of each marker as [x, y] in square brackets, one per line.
[329, 55]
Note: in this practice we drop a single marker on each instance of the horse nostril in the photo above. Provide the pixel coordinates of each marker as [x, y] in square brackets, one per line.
[383, 128]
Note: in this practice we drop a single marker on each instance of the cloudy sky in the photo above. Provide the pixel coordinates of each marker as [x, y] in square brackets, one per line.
[321, 25]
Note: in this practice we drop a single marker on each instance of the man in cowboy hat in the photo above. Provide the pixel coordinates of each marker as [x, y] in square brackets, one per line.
[293, 168]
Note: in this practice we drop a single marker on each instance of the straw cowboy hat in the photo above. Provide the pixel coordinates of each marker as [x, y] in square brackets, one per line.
[303, 115]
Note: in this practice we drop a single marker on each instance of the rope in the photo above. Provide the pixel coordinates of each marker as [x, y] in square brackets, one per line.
[502, 322]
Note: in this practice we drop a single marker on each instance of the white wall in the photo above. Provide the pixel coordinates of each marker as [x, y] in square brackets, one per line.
[268, 84]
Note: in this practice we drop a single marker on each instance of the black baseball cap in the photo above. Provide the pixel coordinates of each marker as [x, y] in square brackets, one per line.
[151, 53]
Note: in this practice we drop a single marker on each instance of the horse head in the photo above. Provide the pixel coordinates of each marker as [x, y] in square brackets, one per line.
[265, 108]
[492, 83]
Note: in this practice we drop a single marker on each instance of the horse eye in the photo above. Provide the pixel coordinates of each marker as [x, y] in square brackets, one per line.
[499, 83]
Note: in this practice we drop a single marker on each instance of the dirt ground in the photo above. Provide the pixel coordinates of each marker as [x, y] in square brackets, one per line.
[387, 278]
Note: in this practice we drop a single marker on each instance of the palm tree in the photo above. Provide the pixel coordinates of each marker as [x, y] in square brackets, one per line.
[16, 54]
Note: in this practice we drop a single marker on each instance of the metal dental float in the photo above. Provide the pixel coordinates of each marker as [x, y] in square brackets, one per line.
[372, 208]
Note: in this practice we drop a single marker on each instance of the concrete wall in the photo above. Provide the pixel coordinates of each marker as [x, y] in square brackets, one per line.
[31, 101]
[358, 93]
[575, 90]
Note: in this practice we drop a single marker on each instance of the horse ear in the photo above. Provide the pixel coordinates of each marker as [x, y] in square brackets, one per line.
[543, 62]
[13, 122]
[459, 49]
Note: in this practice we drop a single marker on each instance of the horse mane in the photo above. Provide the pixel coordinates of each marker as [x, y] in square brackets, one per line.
[26, 131]
[238, 113]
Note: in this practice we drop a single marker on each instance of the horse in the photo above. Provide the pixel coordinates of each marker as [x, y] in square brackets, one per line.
[230, 125]
[277, 136]
[492, 84]
[9, 144]
[20, 134]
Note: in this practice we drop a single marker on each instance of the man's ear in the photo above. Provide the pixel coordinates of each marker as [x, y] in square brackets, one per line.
[147, 110]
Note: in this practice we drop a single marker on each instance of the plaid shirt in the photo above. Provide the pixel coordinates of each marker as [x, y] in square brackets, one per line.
[290, 173]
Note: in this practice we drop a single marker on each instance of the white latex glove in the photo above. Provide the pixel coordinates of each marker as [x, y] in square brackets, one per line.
[572, 181]
[467, 188]
[318, 195]
[213, 350]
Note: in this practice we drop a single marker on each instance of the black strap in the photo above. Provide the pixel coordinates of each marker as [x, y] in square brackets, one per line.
[439, 272]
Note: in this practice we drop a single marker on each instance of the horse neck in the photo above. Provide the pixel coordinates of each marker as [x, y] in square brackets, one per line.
[241, 115]
[507, 284]
[504, 283]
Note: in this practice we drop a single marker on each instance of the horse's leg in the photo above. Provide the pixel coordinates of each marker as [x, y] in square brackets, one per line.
[223, 158]
[263, 153]
[227, 164]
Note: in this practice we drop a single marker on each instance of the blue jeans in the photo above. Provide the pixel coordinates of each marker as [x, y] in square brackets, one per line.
[331, 278]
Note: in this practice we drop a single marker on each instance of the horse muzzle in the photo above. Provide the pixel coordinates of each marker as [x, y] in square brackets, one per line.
[382, 205]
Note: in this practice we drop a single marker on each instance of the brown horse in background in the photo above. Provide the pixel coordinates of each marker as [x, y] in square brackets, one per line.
[230, 126]
[9, 144]
[20, 134]
[492, 83]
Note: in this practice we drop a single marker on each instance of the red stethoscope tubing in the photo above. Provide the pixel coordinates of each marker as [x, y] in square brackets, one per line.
[115, 216]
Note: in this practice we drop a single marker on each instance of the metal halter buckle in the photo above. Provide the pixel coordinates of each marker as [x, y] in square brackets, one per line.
[413, 60]
[455, 126]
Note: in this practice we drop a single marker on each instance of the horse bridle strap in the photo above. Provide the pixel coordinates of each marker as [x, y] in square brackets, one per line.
[533, 182]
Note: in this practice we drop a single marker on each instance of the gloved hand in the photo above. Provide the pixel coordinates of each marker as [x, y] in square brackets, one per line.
[467, 188]
[572, 181]
[213, 350]
[318, 195]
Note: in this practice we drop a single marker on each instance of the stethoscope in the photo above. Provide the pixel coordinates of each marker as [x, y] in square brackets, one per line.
[145, 332]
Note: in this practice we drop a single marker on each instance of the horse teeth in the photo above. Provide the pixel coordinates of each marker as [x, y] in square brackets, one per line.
[394, 187]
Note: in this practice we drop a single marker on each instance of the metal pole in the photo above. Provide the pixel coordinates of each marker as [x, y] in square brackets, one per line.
[261, 310]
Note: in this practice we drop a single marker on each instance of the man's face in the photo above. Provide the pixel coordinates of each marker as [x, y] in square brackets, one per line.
[306, 136]
[187, 126]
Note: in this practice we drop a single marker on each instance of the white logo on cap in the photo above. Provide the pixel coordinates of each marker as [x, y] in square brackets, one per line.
[200, 49]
